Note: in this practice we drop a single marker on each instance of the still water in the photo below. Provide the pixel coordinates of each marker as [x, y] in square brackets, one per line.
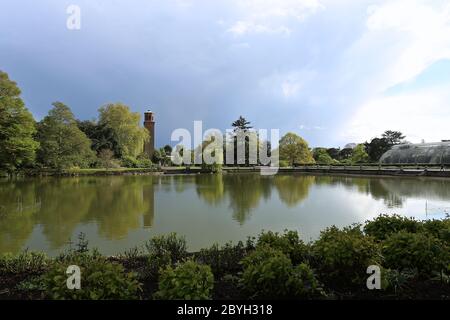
[119, 212]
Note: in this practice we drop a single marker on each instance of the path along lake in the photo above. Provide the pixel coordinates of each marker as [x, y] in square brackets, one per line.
[120, 212]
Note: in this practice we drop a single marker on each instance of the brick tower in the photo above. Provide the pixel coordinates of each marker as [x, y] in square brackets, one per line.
[149, 123]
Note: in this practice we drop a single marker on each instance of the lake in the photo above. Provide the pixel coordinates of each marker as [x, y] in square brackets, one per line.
[120, 212]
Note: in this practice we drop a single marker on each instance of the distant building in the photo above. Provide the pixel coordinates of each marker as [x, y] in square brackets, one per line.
[149, 123]
[350, 146]
[432, 153]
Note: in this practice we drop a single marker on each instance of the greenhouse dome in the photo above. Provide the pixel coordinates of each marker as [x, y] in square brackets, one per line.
[431, 153]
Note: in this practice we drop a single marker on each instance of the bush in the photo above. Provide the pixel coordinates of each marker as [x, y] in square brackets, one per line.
[144, 163]
[342, 256]
[99, 280]
[420, 251]
[24, 262]
[384, 225]
[129, 162]
[289, 243]
[188, 281]
[269, 274]
[439, 229]
[165, 250]
[222, 260]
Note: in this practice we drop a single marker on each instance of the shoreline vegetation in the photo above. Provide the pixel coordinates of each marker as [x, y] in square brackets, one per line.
[413, 256]
[349, 170]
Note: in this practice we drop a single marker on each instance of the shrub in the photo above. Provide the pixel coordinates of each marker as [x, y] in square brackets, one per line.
[187, 281]
[164, 250]
[268, 273]
[223, 259]
[384, 225]
[144, 163]
[24, 262]
[289, 243]
[129, 162]
[439, 229]
[342, 256]
[420, 251]
[99, 280]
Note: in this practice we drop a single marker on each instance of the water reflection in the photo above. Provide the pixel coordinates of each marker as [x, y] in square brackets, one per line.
[118, 206]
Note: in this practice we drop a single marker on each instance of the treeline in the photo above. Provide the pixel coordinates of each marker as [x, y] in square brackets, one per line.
[60, 141]
[368, 152]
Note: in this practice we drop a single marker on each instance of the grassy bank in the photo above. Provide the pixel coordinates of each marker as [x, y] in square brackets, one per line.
[413, 256]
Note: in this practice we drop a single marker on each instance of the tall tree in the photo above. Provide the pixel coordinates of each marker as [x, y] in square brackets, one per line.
[241, 124]
[128, 133]
[17, 127]
[63, 144]
[294, 149]
[393, 137]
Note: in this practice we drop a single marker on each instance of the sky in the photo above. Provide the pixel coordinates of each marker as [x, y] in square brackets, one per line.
[332, 71]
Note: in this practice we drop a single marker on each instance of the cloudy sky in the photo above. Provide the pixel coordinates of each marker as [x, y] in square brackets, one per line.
[333, 71]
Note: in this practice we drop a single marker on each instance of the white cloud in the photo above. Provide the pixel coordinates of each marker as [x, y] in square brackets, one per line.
[423, 114]
[402, 39]
[271, 16]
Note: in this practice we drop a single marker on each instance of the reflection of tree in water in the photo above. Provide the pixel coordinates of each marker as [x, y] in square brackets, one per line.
[245, 191]
[210, 188]
[18, 207]
[369, 186]
[123, 201]
[65, 203]
[293, 189]
[116, 204]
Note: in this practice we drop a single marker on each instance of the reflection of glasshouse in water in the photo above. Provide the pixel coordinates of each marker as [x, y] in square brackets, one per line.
[433, 153]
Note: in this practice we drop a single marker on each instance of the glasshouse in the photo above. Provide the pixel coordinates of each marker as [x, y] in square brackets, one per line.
[432, 153]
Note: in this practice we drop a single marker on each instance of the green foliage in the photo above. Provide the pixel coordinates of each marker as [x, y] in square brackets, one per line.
[269, 274]
[24, 262]
[100, 280]
[359, 154]
[106, 159]
[187, 281]
[17, 128]
[165, 250]
[294, 149]
[125, 125]
[322, 156]
[438, 228]
[289, 243]
[385, 225]
[404, 250]
[222, 260]
[102, 137]
[342, 256]
[63, 144]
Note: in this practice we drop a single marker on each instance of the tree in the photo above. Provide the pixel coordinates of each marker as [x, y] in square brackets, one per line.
[393, 137]
[63, 144]
[321, 156]
[102, 137]
[334, 153]
[241, 124]
[345, 154]
[359, 154]
[106, 159]
[294, 149]
[240, 135]
[17, 127]
[125, 125]
[378, 146]
[168, 149]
